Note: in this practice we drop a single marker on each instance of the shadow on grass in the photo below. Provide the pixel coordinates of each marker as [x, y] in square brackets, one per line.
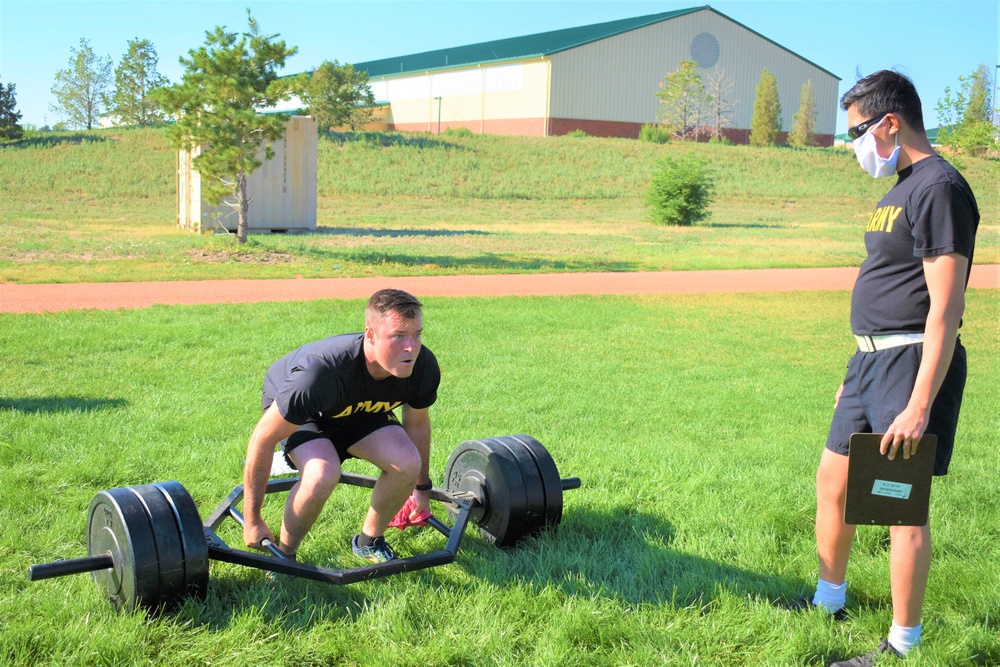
[385, 139]
[733, 225]
[392, 233]
[47, 141]
[297, 604]
[48, 404]
[983, 655]
[496, 263]
[622, 555]
[627, 557]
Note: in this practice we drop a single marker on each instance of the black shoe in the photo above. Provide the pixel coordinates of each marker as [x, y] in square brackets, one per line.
[884, 653]
[805, 603]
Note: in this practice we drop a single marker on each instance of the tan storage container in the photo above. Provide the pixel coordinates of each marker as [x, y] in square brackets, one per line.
[282, 191]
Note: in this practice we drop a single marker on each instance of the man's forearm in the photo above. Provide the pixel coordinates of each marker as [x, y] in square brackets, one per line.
[945, 275]
[255, 475]
[940, 335]
[271, 429]
[419, 431]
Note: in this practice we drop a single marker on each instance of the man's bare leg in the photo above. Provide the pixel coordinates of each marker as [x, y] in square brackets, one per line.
[833, 537]
[392, 451]
[909, 567]
[319, 469]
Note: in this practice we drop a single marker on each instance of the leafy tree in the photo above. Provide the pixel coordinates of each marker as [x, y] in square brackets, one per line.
[804, 121]
[682, 100]
[339, 95]
[680, 191]
[9, 115]
[966, 115]
[135, 77]
[224, 83]
[721, 107]
[766, 122]
[80, 90]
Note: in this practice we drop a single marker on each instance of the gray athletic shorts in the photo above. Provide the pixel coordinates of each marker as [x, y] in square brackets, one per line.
[877, 388]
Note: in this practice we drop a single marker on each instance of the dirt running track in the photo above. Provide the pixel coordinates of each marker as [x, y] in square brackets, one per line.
[16, 298]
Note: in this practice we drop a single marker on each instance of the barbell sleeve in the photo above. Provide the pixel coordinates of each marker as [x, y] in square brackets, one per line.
[61, 568]
[570, 483]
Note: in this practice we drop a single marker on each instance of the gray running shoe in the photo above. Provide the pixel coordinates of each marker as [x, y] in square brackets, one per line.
[377, 552]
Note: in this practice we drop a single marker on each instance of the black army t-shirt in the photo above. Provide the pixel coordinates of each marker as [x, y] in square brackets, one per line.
[929, 211]
[326, 381]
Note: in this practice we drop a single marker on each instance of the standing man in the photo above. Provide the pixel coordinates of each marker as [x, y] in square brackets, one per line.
[908, 375]
[332, 400]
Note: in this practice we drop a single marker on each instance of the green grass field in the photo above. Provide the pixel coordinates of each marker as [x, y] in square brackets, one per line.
[694, 422]
[101, 206]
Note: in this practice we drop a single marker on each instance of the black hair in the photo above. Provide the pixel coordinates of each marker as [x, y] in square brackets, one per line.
[886, 91]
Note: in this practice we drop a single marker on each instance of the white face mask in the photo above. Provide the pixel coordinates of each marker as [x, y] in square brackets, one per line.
[867, 153]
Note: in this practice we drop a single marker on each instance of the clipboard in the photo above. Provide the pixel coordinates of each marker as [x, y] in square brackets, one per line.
[881, 492]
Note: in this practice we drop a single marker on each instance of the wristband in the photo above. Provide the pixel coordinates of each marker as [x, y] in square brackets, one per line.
[425, 487]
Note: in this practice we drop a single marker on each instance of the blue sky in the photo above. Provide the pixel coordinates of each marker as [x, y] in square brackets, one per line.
[933, 41]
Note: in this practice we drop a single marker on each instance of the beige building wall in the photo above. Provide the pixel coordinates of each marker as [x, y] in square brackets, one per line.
[283, 190]
[480, 98]
[615, 79]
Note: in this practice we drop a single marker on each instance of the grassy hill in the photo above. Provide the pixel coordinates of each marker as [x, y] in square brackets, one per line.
[101, 206]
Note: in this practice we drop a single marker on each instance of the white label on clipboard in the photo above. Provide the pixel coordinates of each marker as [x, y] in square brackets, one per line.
[891, 489]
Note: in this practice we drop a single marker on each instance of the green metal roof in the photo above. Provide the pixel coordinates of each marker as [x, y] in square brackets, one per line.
[932, 134]
[532, 46]
[512, 48]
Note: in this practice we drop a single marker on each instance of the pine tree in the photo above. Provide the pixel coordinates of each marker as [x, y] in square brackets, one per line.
[682, 101]
[224, 84]
[135, 77]
[80, 90]
[766, 123]
[804, 121]
[9, 115]
[978, 110]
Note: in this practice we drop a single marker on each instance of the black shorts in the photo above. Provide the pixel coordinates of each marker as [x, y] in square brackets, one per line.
[343, 436]
[877, 388]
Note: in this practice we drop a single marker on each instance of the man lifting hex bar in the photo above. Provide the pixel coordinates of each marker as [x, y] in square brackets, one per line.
[331, 400]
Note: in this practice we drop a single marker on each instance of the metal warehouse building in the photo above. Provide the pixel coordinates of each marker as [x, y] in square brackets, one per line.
[601, 78]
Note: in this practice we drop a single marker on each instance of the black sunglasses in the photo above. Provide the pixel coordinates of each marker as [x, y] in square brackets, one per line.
[861, 128]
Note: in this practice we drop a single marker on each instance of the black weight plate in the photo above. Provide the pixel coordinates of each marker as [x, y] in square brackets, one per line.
[193, 543]
[493, 474]
[551, 481]
[117, 524]
[533, 518]
[166, 533]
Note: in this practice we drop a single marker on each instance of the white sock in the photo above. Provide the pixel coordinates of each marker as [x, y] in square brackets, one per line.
[904, 639]
[831, 597]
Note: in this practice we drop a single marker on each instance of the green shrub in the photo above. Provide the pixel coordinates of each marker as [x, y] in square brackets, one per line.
[652, 133]
[577, 133]
[680, 191]
[459, 132]
[720, 141]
